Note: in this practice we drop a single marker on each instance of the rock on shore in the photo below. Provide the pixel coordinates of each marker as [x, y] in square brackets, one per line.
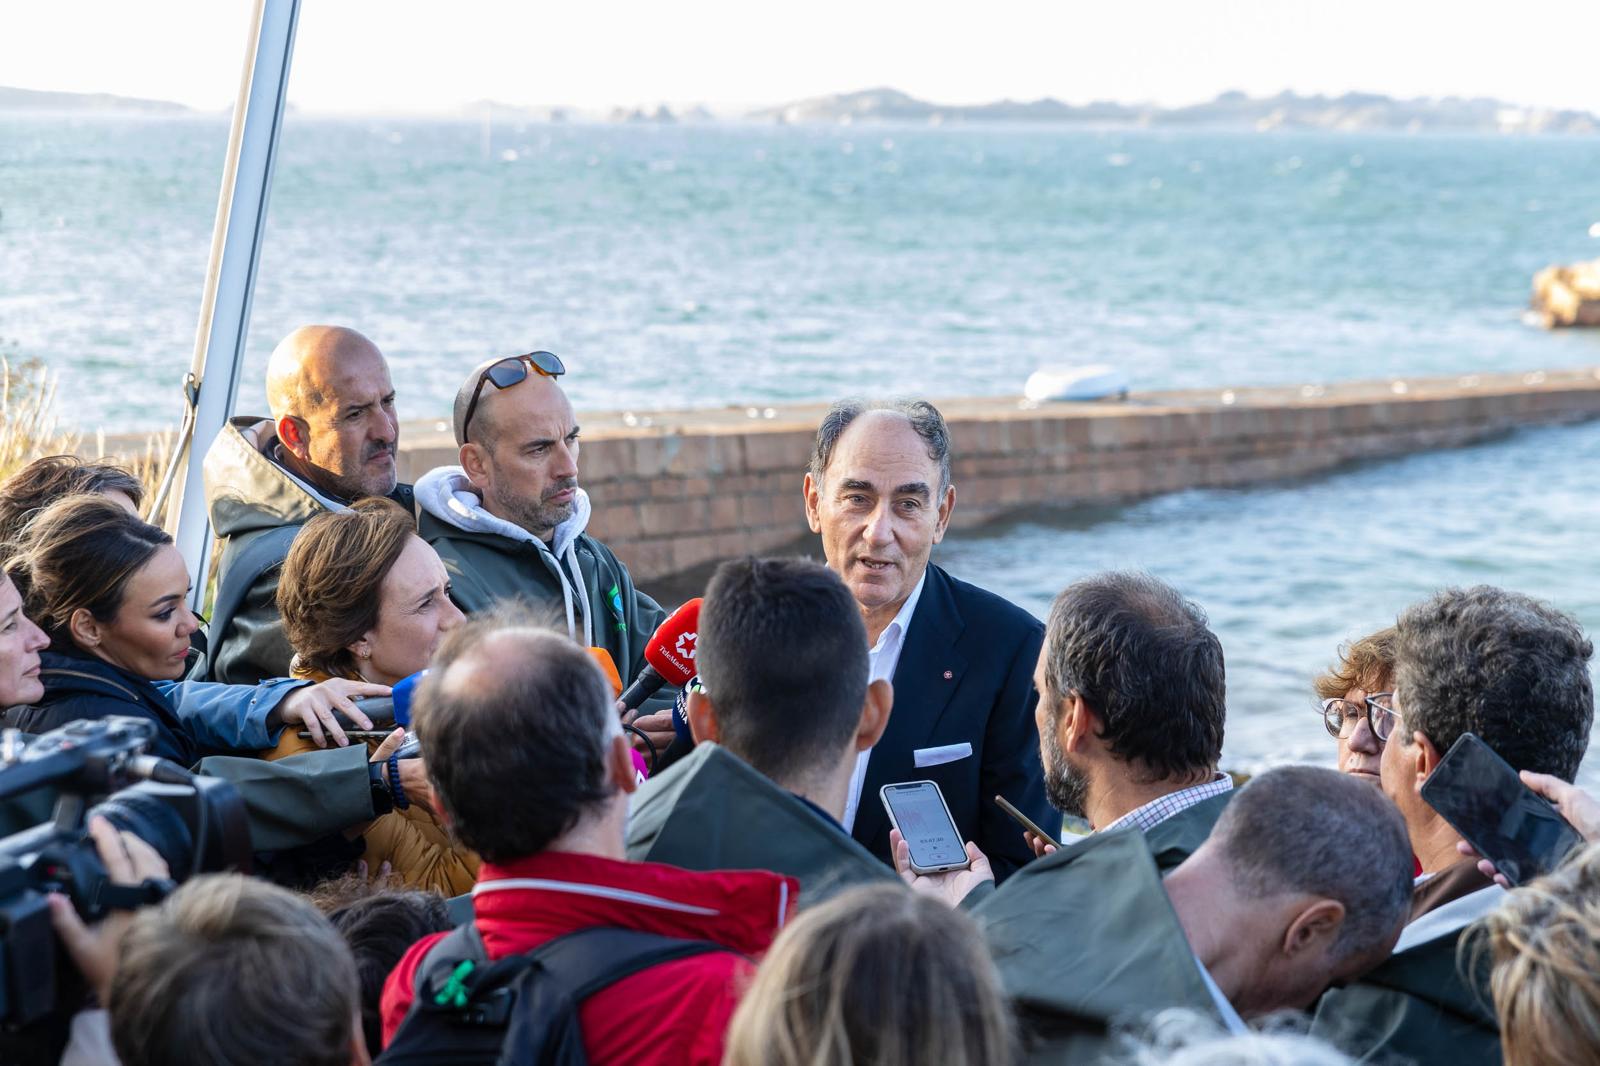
[1568, 295]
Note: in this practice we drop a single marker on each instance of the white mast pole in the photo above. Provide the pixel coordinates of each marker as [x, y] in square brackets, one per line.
[213, 382]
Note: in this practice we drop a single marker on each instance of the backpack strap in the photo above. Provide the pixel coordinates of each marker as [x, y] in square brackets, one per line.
[461, 944]
[592, 959]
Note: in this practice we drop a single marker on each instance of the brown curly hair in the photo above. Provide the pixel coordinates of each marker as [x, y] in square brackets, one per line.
[1367, 664]
[328, 595]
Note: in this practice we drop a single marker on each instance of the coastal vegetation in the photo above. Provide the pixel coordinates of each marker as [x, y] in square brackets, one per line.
[30, 428]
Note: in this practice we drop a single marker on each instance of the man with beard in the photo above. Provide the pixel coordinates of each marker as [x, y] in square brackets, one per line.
[330, 441]
[1132, 703]
[509, 521]
[1132, 700]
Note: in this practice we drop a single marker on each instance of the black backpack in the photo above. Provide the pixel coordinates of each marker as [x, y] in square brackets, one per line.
[521, 1010]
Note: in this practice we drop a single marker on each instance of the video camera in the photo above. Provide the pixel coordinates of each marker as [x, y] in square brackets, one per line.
[90, 768]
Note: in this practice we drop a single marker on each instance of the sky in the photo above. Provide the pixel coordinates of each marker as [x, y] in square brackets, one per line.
[428, 56]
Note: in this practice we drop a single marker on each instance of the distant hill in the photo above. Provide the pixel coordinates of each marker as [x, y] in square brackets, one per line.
[1352, 111]
[35, 100]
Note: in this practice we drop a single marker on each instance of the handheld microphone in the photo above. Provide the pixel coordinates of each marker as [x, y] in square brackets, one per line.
[608, 666]
[670, 655]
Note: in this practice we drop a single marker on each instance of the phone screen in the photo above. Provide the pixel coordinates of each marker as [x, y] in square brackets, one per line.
[1509, 824]
[922, 818]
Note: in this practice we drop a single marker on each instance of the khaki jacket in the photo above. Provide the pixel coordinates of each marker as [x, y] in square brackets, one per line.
[413, 843]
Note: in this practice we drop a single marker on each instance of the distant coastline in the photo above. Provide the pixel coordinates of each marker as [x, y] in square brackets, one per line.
[35, 100]
[1351, 112]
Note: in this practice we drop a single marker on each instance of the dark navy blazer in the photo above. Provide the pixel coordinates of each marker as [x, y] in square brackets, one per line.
[965, 675]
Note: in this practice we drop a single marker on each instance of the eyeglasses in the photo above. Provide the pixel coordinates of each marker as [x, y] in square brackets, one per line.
[1340, 716]
[510, 371]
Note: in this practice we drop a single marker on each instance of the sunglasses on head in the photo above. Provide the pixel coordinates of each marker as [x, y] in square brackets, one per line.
[508, 372]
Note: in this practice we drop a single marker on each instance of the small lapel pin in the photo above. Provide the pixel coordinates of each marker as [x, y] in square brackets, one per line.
[948, 674]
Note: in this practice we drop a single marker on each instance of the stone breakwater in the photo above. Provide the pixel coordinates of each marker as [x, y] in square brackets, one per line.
[675, 491]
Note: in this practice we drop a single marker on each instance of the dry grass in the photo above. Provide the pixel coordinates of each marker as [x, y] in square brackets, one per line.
[29, 428]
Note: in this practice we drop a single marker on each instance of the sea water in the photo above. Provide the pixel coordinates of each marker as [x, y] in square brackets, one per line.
[716, 264]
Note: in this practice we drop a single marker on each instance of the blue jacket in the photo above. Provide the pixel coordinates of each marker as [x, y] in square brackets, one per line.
[965, 675]
[193, 718]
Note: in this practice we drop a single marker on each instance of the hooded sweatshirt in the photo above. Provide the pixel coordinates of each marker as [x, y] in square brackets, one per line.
[248, 493]
[490, 559]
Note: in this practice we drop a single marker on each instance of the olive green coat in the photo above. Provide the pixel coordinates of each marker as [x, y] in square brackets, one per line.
[1086, 938]
[713, 811]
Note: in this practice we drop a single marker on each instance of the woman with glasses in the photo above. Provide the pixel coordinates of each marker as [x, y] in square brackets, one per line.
[1355, 695]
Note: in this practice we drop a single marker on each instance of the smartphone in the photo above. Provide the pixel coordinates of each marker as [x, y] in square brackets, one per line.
[352, 734]
[918, 810]
[1026, 822]
[1505, 821]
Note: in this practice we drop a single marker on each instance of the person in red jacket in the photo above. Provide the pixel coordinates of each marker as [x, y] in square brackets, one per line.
[528, 761]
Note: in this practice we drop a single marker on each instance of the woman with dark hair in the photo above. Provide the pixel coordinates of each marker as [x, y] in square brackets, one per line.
[364, 598]
[110, 591]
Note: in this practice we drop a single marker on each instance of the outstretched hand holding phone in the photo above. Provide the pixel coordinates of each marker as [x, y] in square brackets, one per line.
[950, 887]
[1581, 810]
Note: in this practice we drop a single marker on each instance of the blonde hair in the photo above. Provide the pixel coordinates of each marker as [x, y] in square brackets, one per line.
[876, 976]
[1367, 663]
[1544, 942]
[328, 594]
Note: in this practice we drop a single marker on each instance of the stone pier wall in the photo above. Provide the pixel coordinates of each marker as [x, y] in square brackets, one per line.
[675, 491]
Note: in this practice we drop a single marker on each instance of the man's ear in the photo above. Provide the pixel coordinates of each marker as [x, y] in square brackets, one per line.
[294, 435]
[1313, 931]
[85, 628]
[619, 765]
[946, 507]
[702, 715]
[1076, 723]
[813, 497]
[1425, 757]
[475, 461]
[874, 715]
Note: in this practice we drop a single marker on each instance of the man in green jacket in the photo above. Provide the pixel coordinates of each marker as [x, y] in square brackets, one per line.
[330, 441]
[509, 521]
[784, 709]
[1305, 881]
[1514, 672]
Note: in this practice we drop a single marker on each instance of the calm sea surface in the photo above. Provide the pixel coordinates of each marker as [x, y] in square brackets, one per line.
[709, 265]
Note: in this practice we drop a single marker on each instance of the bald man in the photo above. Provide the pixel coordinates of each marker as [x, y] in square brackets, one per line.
[330, 441]
[509, 521]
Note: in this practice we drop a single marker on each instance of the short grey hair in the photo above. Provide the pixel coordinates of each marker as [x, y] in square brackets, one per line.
[923, 416]
[1505, 666]
[1308, 829]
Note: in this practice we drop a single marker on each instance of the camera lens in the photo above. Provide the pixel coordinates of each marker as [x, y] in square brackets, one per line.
[155, 822]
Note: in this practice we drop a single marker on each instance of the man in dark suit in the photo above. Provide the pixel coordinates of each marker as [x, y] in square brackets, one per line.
[960, 659]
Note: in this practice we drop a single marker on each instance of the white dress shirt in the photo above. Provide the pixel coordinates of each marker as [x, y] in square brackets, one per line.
[882, 658]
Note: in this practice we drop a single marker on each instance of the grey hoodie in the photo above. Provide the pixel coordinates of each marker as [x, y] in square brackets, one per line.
[490, 560]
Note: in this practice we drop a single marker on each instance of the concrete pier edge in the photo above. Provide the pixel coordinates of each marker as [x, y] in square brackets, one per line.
[675, 491]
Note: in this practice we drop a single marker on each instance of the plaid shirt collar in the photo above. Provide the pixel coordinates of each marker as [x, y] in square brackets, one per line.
[1159, 810]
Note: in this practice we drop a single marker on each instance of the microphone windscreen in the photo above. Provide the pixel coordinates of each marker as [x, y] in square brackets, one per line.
[608, 666]
[402, 694]
[671, 648]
